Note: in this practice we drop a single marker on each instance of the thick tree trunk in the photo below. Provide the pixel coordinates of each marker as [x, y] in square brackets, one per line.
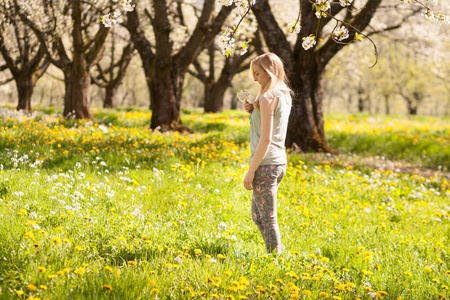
[215, 92]
[306, 123]
[110, 97]
[214, 98]
[25, 88]
[412, 108]
[165, 95]
[77, 100]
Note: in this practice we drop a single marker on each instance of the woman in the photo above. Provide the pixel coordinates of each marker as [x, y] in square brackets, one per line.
[269, 119]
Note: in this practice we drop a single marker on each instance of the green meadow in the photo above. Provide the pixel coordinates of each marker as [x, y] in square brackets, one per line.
[109, 209]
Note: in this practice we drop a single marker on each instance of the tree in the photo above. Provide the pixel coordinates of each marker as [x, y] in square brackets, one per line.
[111, 77]
[306, 64]
[51, 21]
[214, 89]
[24, 56]
[167, 55]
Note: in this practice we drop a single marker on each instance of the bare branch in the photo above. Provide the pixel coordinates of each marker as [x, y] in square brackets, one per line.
[6, 81]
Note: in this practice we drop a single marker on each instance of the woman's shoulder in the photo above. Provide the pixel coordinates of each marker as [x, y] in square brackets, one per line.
[273, 93]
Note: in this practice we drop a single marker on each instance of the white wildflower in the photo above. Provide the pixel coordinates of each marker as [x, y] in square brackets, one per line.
[243, 95]
[178, 259]
[223, 226]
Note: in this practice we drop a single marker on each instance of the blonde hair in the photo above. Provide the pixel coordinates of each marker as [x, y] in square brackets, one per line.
[274, 66]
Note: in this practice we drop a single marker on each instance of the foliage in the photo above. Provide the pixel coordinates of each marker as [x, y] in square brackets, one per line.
[116, 211]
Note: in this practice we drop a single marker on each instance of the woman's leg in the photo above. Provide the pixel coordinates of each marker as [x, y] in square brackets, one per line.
[264, 204]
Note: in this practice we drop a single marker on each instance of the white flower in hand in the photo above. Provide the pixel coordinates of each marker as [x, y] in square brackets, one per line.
[244, 95]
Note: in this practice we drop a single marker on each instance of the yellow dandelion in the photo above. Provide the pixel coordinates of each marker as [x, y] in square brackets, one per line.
[279, 280]
[337, 298]
[36, 245]
[41, 269]
[233, 289]
[29, 235]
[306, 292]
[31, 287]
[56, 240]
[441, 296]
[44, 287]
[152, 282]
[51, 276]
[427, 269]
[19, 293]
[323, 295]
[107, 287]
[80, 271]
[154, 291]
[221, 256]
[132, 263]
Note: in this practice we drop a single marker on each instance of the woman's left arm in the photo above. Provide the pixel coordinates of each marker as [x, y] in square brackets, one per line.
[267, 107]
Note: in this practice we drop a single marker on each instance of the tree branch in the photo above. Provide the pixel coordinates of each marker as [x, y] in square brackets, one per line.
[273, 34]
[359, 23]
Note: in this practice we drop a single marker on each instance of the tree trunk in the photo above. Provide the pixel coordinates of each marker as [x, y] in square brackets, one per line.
[110, 97]
[214, 98]
[412, 108]
[215, 91]
[25, 88]
[387, 105]
[165, 95]
[77, 100]
[306, 123]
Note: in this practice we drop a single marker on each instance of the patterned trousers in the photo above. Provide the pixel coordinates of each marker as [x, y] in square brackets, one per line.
[264, 204]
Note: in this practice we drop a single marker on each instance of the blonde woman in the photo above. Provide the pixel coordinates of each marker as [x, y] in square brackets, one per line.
[269, 119]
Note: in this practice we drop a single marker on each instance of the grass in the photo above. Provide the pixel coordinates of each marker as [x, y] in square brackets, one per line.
[111, 210]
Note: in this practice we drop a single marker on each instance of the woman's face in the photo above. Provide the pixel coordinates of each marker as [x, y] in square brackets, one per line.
[260, 76]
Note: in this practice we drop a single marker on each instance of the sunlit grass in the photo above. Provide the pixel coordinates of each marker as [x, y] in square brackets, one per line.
[117, 211]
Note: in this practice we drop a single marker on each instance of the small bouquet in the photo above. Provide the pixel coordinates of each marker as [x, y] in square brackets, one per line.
[244, 95]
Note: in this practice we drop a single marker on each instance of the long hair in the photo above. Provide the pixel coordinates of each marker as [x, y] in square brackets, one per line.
[274, 66]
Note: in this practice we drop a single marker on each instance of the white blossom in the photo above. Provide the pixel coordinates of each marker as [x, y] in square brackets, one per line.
[243, 95]
[295, 27]
[309, 42]
[345, 3]
[341, 33]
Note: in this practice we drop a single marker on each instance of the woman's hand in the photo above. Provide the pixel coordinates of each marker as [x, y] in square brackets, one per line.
[248, 107]
[248, 180]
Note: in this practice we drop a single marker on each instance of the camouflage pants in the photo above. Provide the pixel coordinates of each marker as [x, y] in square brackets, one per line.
[264, 204]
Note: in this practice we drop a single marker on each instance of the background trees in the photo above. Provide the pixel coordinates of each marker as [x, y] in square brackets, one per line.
[24, 56]
[169, 37]
[168, 50]
[73, 39]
